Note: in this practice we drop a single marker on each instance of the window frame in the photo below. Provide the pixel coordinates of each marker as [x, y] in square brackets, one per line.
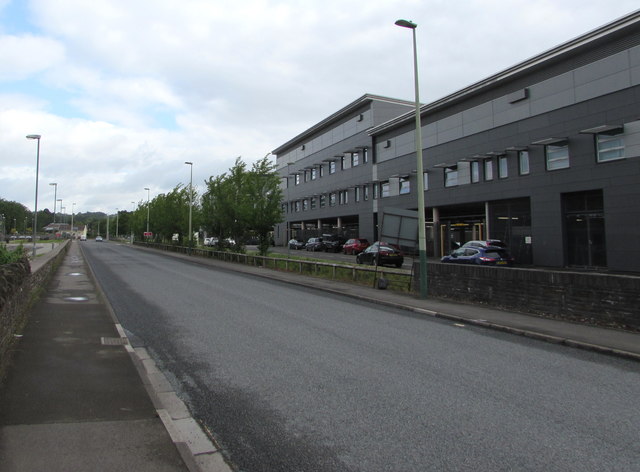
[503, 167]
[524, 157]
[560, 149]
[487, 170]
[610, 136]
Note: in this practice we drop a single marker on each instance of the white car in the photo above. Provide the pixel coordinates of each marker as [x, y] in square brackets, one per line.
[98, 239]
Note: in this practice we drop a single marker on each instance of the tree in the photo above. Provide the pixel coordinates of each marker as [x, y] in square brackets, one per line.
[240, 202]
[265, 197]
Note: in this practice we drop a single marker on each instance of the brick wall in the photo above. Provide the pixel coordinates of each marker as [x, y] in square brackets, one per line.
[602, 299]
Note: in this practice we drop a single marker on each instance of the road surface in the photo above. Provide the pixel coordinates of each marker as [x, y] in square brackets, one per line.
[292, 379]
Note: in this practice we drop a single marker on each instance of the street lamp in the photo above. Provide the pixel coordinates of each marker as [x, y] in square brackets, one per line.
[117, 221]
[422, 240]
[147, 189]
[62, 213]
[35, 207]
[190, 164]
[55, 199]
[73, 205]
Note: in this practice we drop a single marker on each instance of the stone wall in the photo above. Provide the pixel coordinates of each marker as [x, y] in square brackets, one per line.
[19, 289]
[600, 299]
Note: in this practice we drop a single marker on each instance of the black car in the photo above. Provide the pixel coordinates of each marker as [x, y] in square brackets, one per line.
[314, 244]
[296, 244]
[381, 253]
[490, 255]
[333, 243]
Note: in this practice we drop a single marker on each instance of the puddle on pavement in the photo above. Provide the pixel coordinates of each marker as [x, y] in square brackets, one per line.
[76, 299]
[75, 274]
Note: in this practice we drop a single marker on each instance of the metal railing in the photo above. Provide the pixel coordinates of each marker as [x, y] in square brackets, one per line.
[376, 276]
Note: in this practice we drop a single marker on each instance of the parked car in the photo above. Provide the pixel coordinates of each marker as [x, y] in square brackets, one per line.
[381, 253]
[296, 244]
[314, 244]
[333, 243]
[490, 255]
[355, 245]
[485, 243]
[210, 241]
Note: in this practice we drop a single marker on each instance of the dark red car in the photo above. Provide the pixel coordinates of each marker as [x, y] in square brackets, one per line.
[355, 246]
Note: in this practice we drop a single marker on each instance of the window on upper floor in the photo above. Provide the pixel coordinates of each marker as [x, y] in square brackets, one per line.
[332, 199]
[384, 189]
[523, 162]
[451, 176]
[355, 159]
[323, 200]
[314, 173]
[503, 167]
[610, 145]
[356, 194]
[320, 170]
[312, 202]
[305, 204]
[365, 155]
[297, 205]
[405, 185]
[332, 167]
[475, 171]
[365, 192]
[557, 155]
[425, 180]
[488, 169]
[376, 190]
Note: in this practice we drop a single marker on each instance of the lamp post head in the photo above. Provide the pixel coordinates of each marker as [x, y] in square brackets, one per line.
[53, 183]
[188, 163]
[33, 136]
[406, 24]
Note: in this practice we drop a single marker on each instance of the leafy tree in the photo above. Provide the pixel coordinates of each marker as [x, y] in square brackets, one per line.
[240, 202]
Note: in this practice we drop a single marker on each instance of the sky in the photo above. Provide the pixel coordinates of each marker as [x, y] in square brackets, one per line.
[123, 92]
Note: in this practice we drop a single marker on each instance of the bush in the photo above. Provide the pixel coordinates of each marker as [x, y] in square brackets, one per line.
[8, 257]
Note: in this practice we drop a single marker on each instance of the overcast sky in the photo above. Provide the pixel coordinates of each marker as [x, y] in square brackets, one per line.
[124, 92]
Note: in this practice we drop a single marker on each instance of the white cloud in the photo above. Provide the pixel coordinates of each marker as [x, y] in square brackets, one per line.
[124, 92]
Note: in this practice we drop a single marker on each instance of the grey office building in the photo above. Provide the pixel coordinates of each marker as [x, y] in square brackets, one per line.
[544, 155]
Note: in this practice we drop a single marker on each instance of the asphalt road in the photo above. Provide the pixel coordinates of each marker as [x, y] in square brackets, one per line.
[289, 379]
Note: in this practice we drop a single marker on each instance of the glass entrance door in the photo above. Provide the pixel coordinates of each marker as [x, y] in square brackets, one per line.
[586, 240]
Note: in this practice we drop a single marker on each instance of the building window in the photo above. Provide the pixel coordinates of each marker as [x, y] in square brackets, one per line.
[314, 173]
[305, 204]
[503, 167]
[425, 180]
[557, 156]
[323, 200]
[475, 171]
[365, 156]
[356, 194]
[365, 192]
[376, 190]
[405, 186]
[610, 146]
[313, 203]
[343, 163]
[332, 167]
[306, 176]
[384, 189]
[523, 162]
[297, 205]
[451, 176]
[355, 159]
[488, 169]
[332, 199]
[320, 170]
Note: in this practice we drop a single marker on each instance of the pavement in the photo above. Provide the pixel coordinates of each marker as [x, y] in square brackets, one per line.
[79, 397]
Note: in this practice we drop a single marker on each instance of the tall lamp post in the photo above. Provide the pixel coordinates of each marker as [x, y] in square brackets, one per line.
[35, 206]
[55, 198]
[73, 209]
[190, 164]
[61, 212]
[117, 221]
[147, 189]
[422, 240]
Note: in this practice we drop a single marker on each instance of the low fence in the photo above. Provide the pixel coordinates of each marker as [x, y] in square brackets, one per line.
[375, 276]
[595, 298]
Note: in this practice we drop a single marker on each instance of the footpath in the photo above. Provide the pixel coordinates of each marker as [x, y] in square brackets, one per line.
[78, 397]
